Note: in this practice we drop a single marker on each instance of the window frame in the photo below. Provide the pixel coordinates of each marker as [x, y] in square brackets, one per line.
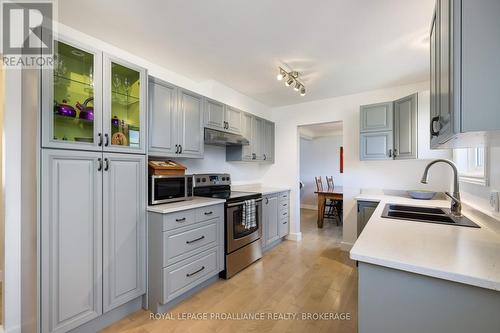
[477, 171]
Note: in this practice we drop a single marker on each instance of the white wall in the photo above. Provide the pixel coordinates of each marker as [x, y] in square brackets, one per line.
[477, 195]
[357, 174]
[318, 157]
[215, 161]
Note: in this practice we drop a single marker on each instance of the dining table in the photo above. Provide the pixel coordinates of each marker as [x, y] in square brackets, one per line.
[336, 194]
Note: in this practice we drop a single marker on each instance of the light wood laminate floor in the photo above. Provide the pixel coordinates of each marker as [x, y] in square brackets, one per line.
[311, 276]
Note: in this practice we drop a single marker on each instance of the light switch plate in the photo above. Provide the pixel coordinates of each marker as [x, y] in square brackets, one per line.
[494, 201]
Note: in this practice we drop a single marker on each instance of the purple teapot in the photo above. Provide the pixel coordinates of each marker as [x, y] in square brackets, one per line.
[86, 112]
[64, 109]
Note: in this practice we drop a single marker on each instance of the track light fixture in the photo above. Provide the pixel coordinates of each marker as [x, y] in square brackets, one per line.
[291, 78]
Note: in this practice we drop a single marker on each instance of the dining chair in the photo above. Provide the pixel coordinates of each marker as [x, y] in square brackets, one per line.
[329, 205]
[329, 182]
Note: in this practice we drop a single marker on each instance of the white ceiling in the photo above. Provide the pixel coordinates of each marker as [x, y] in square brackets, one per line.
[339, 46]
[321, 130]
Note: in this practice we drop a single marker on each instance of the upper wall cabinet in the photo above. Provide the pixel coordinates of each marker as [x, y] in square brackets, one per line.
[91, 104]
[175, 121]
[124, 120]
[389, 130]
[376, 117]
[465, 72]
[222, 117]
[72, 98]
[405, 127]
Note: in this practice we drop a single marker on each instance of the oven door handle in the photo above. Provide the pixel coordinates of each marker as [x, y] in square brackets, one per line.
[241, 203]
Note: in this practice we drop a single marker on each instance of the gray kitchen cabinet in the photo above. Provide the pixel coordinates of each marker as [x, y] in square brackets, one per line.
[162, 118]
[214, 115]
[176, 121]
[376, 146]
[246, 132]
[465, 73]
[283, 213]
[365, 211]
[405, 127]
[389, 130]
[190, 124]
[268, 142]
[376, 117]
[270, 218]
[186, 248]
[233, 120]
[124, 228]
[71, 239]
[222, 117]
[124, 106]
[257, 139]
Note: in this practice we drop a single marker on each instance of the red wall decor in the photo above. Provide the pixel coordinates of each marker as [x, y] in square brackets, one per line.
[341, 159]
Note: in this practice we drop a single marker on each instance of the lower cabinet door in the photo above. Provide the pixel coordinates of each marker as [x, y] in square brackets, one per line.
[124, 230]
[71, 239]
[376, 146]
[270, 217]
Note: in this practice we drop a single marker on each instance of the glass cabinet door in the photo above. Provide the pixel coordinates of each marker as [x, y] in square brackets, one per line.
[125, 98]
[71, 98]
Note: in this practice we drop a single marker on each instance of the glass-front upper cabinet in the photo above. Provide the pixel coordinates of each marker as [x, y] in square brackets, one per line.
[124, 117]
[71, 97]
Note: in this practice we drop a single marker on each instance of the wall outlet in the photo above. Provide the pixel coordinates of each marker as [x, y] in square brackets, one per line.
[494, 201]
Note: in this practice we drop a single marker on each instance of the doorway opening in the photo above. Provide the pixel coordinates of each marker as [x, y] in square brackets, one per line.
[321, 178]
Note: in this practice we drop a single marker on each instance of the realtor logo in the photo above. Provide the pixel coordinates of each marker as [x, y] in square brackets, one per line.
[27, 28]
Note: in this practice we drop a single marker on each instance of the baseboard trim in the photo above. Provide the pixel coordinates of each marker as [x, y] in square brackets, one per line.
[310, 207]
[297, 236]
[346, 246]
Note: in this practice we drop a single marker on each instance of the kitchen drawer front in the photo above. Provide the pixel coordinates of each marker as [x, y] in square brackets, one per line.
[188, 273]
[283, 205]
[178, 219]
[179, 244]
[283, 227]
[283, 196]
[209, 212]
[283, 214]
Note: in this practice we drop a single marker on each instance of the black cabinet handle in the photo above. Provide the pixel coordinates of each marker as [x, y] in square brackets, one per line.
[285, 222]
[177, 149]
[265, 157]
[284, 214]
[209, 213]
[106, 168]
[433, 120]
[106, 136]
[390, 152]
[195, 272]
[195, 240]
[180, 220]
[180, 149]
[100, 140]
[99, 167]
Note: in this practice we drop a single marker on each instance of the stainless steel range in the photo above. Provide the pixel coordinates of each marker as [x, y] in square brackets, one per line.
[242, 241]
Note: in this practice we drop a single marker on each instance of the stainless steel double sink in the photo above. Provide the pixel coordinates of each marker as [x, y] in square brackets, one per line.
[426, 214]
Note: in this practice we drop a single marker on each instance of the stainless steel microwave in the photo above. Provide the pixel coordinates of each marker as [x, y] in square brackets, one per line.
[163, 189]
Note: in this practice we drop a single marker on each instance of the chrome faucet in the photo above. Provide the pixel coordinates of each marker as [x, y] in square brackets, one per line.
[456, 203]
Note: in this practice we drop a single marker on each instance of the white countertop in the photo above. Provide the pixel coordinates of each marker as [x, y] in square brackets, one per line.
[259, 188]
[460, 254]
[196, 202]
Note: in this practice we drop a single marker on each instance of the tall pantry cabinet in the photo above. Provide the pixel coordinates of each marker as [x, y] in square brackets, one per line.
[93, 186]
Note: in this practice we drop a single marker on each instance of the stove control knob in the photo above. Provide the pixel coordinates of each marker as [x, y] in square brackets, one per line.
[203, 179]
[198, 180]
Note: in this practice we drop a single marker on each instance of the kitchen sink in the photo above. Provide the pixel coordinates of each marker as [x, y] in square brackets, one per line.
[426, 214]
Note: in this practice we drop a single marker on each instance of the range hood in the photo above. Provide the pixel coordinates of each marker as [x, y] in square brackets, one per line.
[219, 138]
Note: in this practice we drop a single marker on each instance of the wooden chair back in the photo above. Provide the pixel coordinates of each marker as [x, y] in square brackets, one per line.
[329, 182]
[319, 184]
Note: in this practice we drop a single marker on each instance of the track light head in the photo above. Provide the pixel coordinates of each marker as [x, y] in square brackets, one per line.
[303, 91]
[289, 82]
[297, 86]
[282, 75]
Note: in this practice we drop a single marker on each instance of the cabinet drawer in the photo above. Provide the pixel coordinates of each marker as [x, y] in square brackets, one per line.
[283, 196]
[283, 214]
[283, 205]
[178, 219]
[177, 245]
[209, 212]
[188, 273]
